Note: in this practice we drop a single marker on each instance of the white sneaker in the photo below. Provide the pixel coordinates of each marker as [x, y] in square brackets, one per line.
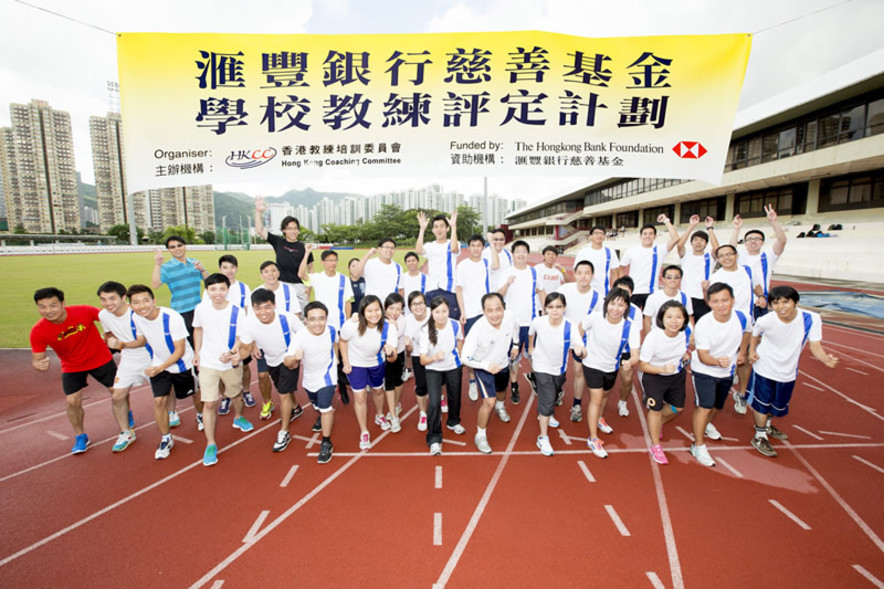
[474, 391]
[406, 374]
[458, 429]
[712, 432]
[576, 414]
[544, 445]
[422, 423]
[444, 405]
[501, 412]
[199, 422]
[595, 445]
[482, 444]
[436, 449]
[395, 426]
[164, 448]
[702, 455]
[174, 419]
[739, 402]
[381, 421]
[553, 422]
[364, 441]
[604, 427]
[622, 409]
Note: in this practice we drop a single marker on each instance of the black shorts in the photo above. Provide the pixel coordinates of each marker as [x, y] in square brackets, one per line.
[711, 392]
[660, 390]
[284, 379]
[73, 382]
[700, 308]
[639, 300]
[393, 372]
[596, 379]
[163, 383]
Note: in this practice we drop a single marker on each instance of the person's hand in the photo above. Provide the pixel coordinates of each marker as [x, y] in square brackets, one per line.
[669, 369]
[114, 343]
[372, 251]
[347, 368]
[771, 213]
[199, 266]
[290, 362]
[308, 247]
[152, 371]
[422, 220]
[256, 353]
[494, 368]
[761, 302]
[741, 358]
[580, 351]
[260, 205]
[42, 364]
[710, 223]
[738, 222]
[235, 358]
[695, 219]
[514, 353]
[753, 357]
[830, 361]
[510, 280]
[661, 218]
[298, 355]
[723, 361]
[158, 257]
[452, 220]
[439, 356]
[196, 359]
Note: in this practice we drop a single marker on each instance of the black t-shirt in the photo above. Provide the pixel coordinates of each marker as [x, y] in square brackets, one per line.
[288, 257]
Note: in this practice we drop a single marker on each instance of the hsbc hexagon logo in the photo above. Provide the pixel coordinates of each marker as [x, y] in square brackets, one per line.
[689, 150]
[250, 158]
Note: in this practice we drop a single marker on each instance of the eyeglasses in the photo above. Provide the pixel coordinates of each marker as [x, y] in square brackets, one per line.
[174, 246]
[753, 239]
[672, 277]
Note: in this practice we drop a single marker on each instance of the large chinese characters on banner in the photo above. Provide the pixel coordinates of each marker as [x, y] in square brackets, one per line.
[218, 108]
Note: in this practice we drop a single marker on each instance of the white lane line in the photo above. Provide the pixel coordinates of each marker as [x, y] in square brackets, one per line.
[182, 440]
[437, 529]
[857, 371]
[218, 584]
[312, 441]
[866, 408]
[288, 477]
[253, 531]
[789, 514]
[869, 464]
[843, 435]
[733, 470]
[56, 435]
[685, 433]
[302, 438]
[483, 502]
[455, 442]
[438, 477]
[850, 511]
[867, 352]
[869, 576]
[586, 472]
[812, 386]
[808, 432]
[655, 580]
[565, 437]
[616, 519]
[123, 501]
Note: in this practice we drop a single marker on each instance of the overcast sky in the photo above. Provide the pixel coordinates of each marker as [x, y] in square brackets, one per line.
[69, 64]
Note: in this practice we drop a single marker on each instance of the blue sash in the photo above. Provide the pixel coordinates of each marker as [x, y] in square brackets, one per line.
[653, 268]
[341, 298]
[286, 332]
[455, 326]
[135, 333]
[231, 336]
[384, 332]
[182, 367]
[331, 362]
[567, 346]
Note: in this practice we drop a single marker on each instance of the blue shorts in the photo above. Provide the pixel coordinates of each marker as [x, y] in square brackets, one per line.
[262, 364]
[523, 339]
[322, 399]
[711, 392]
[769, 397]
[491, 384]
[362, 378]
[469, 324]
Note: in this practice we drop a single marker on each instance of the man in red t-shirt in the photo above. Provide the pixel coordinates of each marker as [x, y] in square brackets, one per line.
[71, 333]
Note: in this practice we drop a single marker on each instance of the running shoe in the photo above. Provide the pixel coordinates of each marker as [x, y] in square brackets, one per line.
[406, 374]
[712, 432]
[474, 391]
[174, 420]
[381, 421]
[266, 410]
[364, 441]
[702, 455]
[81, 442]
[595, 446]
[457, 428]
[622, 409]
[124, 440]
[395, 426]
[482, 444]
[398, 409]
[576, 414]
[444, 408]
[248, 399]
[515, 393]
[604, 427]
[165, 448]
[739, 402]
[199, 422]
[317, 425]
[422, 423]
[545, 447]
[532, 380]
[560, 398]
[436, 449]
[501, 412]
[282, 441]
[345, 396]
[243, 424]
[773, 432]
[553, 422]
[763, 446]
[325, 452]
[131, 420]
[297, 411]
[658, 455]
[210, 456]
[224, 406]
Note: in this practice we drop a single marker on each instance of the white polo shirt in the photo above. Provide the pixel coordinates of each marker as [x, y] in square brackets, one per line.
[474, 280]
[271, 338]
[441, 265]
[286, 298]
[552, 345]
[220, 328]
[446, 341]
[659, 349]
[123, 328]
[382, 279]
[603, 261]
[318, 365]
[644, 266]
[695, 270]
[720, 339]
[604, 340]
[486, 345]
[656, 300]
[363, 350]
[742, 284]
[521, 296]
[161, 334]
[239, 294]
[499, 276]
[781, 343]
[332, 291]
[550, 279]
[578, 305]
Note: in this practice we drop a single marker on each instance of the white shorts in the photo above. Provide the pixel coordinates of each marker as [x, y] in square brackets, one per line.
[131, 374]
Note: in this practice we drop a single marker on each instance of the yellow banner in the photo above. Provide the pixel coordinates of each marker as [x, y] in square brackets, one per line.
[223, 108]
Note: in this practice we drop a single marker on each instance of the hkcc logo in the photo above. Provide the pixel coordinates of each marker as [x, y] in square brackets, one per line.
[250, 158]
[690, 150]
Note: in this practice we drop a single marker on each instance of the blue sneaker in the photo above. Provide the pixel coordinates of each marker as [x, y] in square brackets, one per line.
[247, 399]
[211, 455]
[224, 407]
[131, 420]
[80, 445]
[174, 420]
[241, 423]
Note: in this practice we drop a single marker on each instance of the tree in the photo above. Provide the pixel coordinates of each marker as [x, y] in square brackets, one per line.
[182, 231]
[469, 221]
[121, 232]
[207, 236]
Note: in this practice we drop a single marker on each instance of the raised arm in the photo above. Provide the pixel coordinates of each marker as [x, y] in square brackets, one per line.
[359, 268]
[683, 239]
[779, 243]
[713, 240]
[670, 228]
[260, 207]
[735, 235]
[455, 244]
[156, 277]
[302, 268]
[422, 222]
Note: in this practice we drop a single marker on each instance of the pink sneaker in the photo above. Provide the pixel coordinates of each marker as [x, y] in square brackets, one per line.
[657, 454]
[444, 405]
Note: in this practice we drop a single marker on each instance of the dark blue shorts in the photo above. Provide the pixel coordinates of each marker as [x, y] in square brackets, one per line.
[711, 392]
[453, 308]
[491, 384]
[362, 378]
[322, 399]
[523, 339]
[262, 364]
[769, 397]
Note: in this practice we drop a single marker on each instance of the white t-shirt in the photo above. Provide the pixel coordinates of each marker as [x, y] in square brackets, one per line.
[382, 279]
[720, 339]
[446, 341]
[604, 340]
[286, 300]
[161, 334]
[413, 331]
[764, 263]
[743, 285]
[696, 269]
[474, 280]
[499, 276]
[549, 279]
[441, 264]
[486, 345]
[239, 294]
[218, 325]
[659, 349]
[781, 343]
[603, 261]
[271, 338]
[123, 328]
[333, 292]
[318, 365]
[644, 266]
[552, 345]
[656, 300]
[409, 284]
[521, 296]
[363, 350]
[578, 305]
[400, 329]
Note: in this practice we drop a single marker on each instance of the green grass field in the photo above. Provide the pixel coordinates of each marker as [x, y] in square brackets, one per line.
[80, 275]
